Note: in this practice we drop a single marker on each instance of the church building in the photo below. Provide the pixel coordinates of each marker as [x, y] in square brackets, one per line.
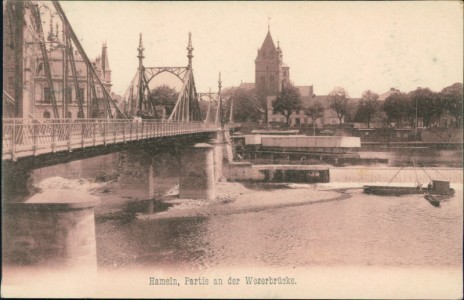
[272, 74]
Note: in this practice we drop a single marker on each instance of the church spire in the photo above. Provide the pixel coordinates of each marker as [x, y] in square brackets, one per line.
[105, 61]
[50, 32]
[268, 48]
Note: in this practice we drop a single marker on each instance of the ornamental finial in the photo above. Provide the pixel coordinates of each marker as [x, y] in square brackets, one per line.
[190, 50]
[140, 49]
[220, 82]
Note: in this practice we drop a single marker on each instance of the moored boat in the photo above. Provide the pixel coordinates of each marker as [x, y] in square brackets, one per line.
[436, 187]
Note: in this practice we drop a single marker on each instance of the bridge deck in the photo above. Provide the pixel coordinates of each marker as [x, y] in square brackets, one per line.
[23, 138]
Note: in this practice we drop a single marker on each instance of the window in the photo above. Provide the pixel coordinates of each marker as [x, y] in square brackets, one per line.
[69, 95]
[47, 96]
[272, 77]
[46, 114]
[81, 94]
[11, 83]
[263, 79]
[69, 115]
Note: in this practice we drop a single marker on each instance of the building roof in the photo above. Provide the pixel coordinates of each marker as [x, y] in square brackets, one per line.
[268, 43]
[307, 101]
[247, 85]
[305, 90]
[268, 49]
[385, 95]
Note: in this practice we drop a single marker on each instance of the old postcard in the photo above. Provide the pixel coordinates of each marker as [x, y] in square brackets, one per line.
[232, 149]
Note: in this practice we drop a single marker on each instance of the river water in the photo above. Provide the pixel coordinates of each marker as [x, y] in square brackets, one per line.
[355, 231]
[361, 230]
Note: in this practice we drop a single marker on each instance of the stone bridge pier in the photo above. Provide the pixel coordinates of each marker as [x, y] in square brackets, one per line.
[197, 166]
[194, 167]
[147, 175]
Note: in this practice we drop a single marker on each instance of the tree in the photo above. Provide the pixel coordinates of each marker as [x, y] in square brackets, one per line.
[452, 97]
[396, 107]
[165, 95]
[315, 111]
[246, 107]
[424, 100]
[338, 98]
[367, 107]
[288, 101]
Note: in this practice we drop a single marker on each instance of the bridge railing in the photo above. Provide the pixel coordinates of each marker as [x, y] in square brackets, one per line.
[23, 137]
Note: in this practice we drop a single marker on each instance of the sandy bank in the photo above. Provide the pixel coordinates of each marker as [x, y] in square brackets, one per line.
[235, 198]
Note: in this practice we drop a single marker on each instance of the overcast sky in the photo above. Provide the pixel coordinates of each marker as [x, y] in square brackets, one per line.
[356, 45]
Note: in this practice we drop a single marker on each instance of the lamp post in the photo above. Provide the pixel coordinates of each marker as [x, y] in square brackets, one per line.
[415, 131]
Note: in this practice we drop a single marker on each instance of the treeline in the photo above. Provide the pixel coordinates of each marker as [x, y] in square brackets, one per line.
[422, 106]
[399, 108]
[429, 106]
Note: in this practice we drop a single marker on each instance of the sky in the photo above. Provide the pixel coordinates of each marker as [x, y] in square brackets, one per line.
[355, 45]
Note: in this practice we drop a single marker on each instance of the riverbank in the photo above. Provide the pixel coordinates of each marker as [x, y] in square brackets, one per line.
[233, 198]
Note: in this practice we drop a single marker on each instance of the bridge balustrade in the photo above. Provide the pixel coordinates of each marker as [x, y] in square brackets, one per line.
[33, 137]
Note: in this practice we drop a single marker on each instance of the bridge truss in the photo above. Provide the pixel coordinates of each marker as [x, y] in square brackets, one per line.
[141, 101]
[98, 103]
[93, 78]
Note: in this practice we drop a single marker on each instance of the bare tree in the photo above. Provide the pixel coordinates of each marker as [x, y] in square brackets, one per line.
[315, 111]
[338, 98]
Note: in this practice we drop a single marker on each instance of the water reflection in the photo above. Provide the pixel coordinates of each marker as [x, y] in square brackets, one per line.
[363, 230]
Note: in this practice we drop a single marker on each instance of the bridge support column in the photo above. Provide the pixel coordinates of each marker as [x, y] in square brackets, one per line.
[53, 229]
[220, 144]
[196, 179]
[16, 181]
[137, 179]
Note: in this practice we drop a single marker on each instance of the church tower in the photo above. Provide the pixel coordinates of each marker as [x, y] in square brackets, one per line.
[270, 70]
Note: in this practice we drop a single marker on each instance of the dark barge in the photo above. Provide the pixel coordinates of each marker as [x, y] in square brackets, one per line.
[436, 187]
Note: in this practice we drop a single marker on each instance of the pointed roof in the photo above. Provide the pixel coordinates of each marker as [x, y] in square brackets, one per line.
[105, 62]
[268, 42]
[268, 49]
